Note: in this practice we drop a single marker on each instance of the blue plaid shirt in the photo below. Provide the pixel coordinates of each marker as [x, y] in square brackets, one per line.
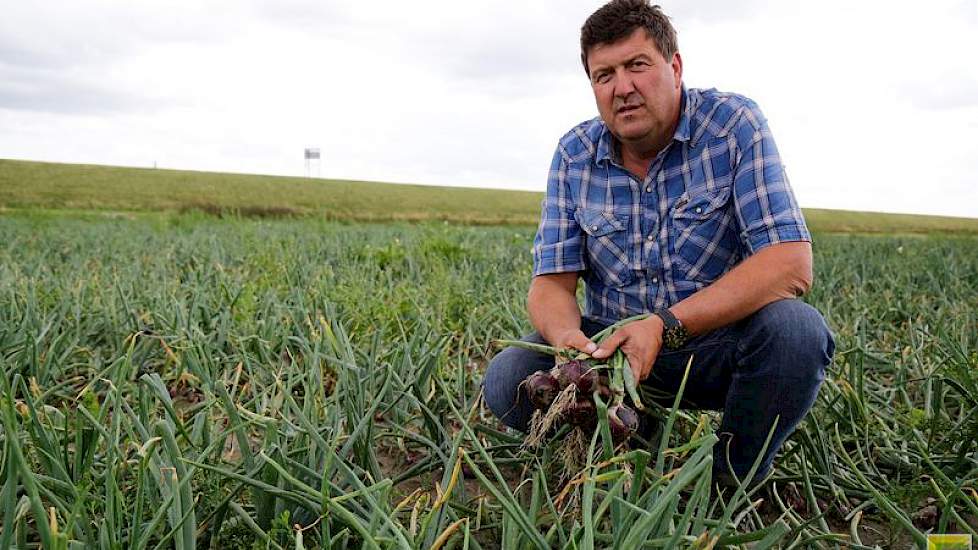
[715, 195]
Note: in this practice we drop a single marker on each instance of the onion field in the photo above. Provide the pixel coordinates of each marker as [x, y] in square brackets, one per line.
[189, 381]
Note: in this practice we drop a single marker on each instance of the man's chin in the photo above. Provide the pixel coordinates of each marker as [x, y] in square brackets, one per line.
[630, 134]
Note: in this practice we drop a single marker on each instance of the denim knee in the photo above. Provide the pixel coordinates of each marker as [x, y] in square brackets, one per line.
[794, 334]
[501, 385]
[496, 388]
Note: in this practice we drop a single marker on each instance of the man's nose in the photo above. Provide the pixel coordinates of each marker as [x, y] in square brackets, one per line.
[623, 84]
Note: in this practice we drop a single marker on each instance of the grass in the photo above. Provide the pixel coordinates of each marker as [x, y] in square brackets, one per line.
[34, 185]
[193, 382]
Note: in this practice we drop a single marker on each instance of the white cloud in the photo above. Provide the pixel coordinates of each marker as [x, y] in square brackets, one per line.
[870, 102]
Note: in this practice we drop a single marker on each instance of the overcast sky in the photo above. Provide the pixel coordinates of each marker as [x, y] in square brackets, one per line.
[874, 105]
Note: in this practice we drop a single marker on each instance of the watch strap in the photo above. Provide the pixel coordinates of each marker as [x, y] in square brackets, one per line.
[674, 334]
[668, 319]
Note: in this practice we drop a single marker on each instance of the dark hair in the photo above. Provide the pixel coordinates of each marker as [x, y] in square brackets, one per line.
[619, 18]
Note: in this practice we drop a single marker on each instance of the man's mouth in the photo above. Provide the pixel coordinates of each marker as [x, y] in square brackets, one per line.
[627, 109]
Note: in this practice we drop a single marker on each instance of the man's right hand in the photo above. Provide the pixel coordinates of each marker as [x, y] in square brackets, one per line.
[552, 304]
[574, 339]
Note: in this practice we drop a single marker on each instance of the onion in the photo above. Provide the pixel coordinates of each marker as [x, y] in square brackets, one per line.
[588, 380]
[567, 373]
[579, 373]
[542, 388]
[623, 421]
[582, 413]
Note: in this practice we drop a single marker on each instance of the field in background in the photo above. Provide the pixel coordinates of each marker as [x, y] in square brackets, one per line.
[283, 376]
[84, 187]
[32, 185]
[188, 381]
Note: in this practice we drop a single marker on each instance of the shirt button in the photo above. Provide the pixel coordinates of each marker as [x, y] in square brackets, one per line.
[594, 228]
[699, 210]
[650, 237]
[648, 189]
[655, 280]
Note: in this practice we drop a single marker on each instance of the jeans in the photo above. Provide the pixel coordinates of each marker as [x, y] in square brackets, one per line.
[763, 368]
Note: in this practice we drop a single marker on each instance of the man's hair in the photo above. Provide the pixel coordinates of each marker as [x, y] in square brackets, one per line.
[619, 18]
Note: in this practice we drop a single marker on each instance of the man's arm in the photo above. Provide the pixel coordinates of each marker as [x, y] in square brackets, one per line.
[553, 309]
[774, 273]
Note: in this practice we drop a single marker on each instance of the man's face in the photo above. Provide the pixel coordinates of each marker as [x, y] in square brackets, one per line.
[636, 89]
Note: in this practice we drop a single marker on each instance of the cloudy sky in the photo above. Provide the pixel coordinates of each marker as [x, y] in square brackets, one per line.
[874, 104]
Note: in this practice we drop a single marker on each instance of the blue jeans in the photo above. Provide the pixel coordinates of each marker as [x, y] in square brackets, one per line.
[768, 366]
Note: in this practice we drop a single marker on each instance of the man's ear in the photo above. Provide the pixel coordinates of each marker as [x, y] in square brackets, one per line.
[677, 68]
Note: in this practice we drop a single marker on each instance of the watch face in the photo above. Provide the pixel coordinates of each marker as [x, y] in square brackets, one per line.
[674, 334]
[675, 337]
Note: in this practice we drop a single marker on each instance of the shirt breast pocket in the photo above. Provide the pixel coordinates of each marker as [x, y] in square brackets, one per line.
[701, 236]
[608, 244]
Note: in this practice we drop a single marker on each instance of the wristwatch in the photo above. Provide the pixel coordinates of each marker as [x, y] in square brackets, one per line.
[674, 335]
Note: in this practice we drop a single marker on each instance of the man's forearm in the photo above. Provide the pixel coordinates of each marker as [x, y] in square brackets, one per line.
[777, 272]
[552, 305]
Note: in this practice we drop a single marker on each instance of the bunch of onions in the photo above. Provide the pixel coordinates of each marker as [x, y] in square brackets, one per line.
[569, 392]
[578, 379]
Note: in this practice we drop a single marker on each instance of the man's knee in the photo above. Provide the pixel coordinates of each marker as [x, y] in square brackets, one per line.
[501, 383]
[794, 334]
[497, 386]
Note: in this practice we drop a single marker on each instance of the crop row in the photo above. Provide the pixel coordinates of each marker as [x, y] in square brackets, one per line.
[191, 382]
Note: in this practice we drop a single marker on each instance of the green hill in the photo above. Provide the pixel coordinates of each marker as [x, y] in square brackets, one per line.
[26, 185]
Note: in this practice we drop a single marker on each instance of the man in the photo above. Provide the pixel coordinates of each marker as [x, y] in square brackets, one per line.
[674, 201]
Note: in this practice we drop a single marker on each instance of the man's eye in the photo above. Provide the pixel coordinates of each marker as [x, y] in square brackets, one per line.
[639, 64]
[601, 78]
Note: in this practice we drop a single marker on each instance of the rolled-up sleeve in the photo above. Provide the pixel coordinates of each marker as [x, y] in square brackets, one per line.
[559, 243]
[766, 209]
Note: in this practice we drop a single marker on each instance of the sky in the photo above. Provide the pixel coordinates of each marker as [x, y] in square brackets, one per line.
[873, 104]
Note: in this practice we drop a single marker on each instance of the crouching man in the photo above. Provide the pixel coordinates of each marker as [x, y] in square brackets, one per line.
[674, 202]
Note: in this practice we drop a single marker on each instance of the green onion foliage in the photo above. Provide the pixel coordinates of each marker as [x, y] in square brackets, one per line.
[194, 382]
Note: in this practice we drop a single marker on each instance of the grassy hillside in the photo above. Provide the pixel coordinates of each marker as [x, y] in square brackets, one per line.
[82, 187]
[38, 185]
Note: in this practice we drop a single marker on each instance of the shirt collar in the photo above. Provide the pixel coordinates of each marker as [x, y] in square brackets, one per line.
[606, 150]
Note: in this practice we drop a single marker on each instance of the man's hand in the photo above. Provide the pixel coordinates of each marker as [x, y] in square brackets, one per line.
[574, 339]
[640, 341]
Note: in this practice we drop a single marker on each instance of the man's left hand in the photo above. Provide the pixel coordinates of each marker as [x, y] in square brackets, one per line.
[640, 341]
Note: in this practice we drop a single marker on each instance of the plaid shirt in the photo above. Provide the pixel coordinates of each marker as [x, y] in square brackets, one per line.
[715, 195]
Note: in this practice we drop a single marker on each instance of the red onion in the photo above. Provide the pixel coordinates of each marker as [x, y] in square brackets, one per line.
[542, 388]
[623, 421]
[579, 373]
[567, 373]
[588, 380]
[582, 413]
